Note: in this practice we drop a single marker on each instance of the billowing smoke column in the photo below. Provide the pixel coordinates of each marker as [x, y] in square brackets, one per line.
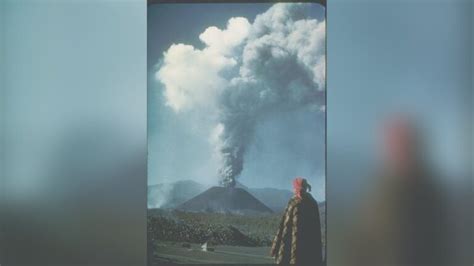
[246, 73]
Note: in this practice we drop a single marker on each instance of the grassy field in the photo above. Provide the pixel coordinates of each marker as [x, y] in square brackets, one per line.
[175, 253]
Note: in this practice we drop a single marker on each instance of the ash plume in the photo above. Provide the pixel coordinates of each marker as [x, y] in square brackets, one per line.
[246, 73]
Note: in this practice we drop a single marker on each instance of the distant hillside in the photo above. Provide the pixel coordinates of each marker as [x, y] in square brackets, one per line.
[170, 195]
[275, 199]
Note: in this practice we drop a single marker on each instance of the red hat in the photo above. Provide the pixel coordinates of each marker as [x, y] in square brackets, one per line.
[300, 185]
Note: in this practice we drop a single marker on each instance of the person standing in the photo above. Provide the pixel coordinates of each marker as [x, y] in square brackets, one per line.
[298, 239]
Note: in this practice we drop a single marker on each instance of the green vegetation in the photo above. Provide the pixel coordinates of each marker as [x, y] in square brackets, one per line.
[226, 229]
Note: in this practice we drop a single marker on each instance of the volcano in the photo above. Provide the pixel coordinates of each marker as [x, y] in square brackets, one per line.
[232, 200]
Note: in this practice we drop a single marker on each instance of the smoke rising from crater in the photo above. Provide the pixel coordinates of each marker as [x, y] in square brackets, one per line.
[246, 73]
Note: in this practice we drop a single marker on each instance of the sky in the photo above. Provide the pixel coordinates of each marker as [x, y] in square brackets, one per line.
[282, 143]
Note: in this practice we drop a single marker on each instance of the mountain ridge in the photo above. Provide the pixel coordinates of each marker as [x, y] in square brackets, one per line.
[171, 195]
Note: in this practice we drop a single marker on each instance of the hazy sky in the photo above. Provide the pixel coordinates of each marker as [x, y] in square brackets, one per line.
[285, 143]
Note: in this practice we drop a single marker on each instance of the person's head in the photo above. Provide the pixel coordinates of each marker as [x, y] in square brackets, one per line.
[300, 186]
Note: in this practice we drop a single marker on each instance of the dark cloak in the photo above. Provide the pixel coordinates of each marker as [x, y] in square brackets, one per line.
[298, 240]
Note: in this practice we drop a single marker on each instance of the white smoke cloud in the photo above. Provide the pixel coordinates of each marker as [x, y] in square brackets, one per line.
[191, 77]
[247, 72]
[224, 41]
